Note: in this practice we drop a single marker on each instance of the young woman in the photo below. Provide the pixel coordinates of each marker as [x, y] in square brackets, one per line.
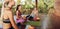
[34, 14]
[8, 19]
[20, 19]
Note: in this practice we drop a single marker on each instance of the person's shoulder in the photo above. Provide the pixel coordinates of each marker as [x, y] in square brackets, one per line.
[17, 11]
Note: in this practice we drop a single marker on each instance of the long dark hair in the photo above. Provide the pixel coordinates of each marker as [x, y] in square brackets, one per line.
[18, 10]
[18, 7]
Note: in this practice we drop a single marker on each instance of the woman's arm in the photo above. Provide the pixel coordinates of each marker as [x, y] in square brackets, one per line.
[32, 13]
[17, 14]
[12, 20]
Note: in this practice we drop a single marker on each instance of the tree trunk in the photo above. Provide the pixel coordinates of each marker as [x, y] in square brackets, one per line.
[36, 4]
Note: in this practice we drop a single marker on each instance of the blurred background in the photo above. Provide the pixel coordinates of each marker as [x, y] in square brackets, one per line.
[44, 7]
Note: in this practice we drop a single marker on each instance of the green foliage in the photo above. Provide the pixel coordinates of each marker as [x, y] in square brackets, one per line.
[14, 10]
[45, 5]
[49, 3]
[34, 23]
[27, 6]
[18, 2]
[0, 5]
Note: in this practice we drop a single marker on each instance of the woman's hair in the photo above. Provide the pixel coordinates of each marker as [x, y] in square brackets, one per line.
[6, 4]
[18, 7]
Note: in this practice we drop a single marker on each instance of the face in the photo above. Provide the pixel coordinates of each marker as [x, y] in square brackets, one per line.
[11, 4]
[19, 8]
[34, 8]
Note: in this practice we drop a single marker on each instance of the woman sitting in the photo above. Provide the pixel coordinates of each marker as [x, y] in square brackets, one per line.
[20, 19]
[34, 15]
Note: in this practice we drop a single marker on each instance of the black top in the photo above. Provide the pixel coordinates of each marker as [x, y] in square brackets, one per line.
[6, 21]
